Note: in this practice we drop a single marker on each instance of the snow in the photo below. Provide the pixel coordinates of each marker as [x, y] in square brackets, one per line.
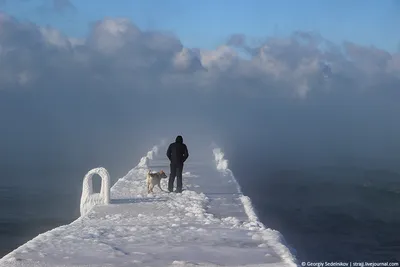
[211, 223]
[88, 199]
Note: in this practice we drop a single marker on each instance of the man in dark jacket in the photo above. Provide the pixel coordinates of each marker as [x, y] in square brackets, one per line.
[177, 153]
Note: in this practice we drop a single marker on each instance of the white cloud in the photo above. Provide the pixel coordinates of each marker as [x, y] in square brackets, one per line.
[120, 53]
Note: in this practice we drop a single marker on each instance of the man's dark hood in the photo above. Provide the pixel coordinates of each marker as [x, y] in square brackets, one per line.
[179, 139]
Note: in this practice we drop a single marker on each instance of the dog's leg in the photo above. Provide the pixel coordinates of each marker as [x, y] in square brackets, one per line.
[151, 187]
[148, 185]
[159, 186]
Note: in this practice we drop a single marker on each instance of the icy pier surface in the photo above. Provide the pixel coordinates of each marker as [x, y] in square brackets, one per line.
[210, 224]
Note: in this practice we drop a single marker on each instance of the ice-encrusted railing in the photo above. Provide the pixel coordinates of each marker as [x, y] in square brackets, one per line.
[90, 199]
[273, 237]
[222, 166]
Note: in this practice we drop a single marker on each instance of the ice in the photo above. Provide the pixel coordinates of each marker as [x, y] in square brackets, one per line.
[88, 199]
[211, 223]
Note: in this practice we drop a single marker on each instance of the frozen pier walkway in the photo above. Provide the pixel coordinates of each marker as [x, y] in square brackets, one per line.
[210, 224]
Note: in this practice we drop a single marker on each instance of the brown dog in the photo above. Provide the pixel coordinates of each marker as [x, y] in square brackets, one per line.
[154, 179]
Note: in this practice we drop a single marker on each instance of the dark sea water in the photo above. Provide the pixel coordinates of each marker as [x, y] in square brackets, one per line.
[35, 200]
[26, 213]
[327, 214]
[28, 209]
[332, 213]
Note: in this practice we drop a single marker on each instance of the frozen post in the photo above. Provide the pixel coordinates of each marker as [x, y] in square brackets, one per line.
[88, 199]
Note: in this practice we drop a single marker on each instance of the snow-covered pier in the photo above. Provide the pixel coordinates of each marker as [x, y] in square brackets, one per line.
[210, 224]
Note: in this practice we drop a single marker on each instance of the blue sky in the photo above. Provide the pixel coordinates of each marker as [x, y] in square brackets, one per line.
[207, 23]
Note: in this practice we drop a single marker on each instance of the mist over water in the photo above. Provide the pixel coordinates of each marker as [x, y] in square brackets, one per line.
[318, 156]
[327, 213]
[326, 181]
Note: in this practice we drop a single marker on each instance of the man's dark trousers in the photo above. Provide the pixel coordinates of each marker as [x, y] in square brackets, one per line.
[175, 171]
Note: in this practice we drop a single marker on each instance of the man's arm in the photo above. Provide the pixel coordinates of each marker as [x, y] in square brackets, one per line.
[169, 152]
[185, 153]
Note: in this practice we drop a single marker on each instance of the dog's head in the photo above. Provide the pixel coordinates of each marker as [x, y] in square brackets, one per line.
[162, 174]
